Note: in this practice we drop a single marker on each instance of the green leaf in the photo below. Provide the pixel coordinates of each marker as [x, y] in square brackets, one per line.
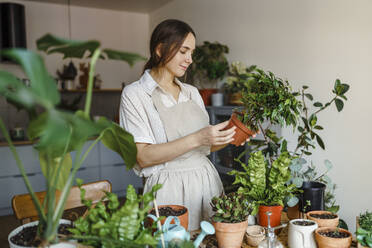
[309, 96]
[320, 141]
[130, 58]
[292, 201]
[43, 86]
[318, 127]
[318, 104]
[69, 48]
[298, 181]
[305, 87]
[64, 171]
[339, 104]
[122, 142]
[328, 164]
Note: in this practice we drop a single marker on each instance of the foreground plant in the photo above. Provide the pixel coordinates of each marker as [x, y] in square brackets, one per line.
[364, 231]
[56, 133]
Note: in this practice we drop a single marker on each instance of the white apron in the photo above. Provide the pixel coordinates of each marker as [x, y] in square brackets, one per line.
[191, 179]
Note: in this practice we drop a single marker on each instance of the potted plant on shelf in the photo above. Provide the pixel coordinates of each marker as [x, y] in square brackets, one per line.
[265, 98]
[265, 185]
[209, 65]
[108, 225]
[364, 230]
[333, 237]
[230, 219]
[56, 133]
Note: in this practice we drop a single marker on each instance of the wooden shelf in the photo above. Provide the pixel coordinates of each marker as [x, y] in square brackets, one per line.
[94, 90]
[17, 143]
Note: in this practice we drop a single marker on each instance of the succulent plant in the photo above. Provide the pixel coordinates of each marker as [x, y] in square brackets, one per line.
[230, 208]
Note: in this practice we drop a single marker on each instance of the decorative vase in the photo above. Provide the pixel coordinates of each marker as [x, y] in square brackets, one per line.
[242, 133]
[206, 95]
[35, 223]
[275, 216]
[314, 193]
[230, 235]
[328, 242]
[217, 99]
[324, 222]
[254, 234]
[301, 236]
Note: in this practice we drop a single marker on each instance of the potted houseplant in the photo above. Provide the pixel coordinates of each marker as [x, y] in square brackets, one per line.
[364, 230]
[209, 65]
[332, 237]
[230, 219]
[56, 133]
[323, 218]
[265, 185]
[172, 210]
[109, 225]
[265, 98]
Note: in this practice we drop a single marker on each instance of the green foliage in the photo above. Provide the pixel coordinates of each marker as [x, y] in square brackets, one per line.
[209, 63]
[56, 133]
[114, 226]
[181, 244]
[263, 184]
[364, 232]
[230, 208]
[238, 77]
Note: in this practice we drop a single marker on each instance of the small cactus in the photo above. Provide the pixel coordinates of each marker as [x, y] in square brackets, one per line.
[230, 208]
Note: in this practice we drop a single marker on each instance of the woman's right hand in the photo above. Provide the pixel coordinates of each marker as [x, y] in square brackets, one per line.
[214, 135]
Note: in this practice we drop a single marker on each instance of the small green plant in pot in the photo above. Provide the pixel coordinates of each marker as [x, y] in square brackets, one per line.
[364, 229]
[265, 185]
[209, 66]
[56, 133]
[265, 98]
[230, 218]
[108, 225]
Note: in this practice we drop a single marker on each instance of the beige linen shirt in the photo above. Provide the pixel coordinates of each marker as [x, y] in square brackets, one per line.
[139, 116]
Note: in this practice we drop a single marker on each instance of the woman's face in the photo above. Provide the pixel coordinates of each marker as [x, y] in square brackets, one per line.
[183, 58]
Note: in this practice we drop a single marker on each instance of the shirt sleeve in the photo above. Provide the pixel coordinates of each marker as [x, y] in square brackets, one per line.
[133, 117]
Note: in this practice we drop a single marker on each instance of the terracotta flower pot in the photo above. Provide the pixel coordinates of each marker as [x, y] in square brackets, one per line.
[230, 235]
[206, 95]
[235, 99]
[293, 212]
[184, 218]
[254, 234]
[323, 222]
[274, 218]
[328, 242]
[241, 132]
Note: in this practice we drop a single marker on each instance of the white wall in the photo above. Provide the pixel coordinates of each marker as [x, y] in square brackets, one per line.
[306, 42]
[127, 31]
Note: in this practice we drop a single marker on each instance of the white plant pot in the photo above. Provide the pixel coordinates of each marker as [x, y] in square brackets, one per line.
[34, 223]
[217, 99]
[301, 236]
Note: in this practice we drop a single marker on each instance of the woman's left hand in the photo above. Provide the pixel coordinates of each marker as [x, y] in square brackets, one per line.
[253, 136]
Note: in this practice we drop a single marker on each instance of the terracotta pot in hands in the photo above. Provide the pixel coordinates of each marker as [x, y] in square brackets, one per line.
[242, 133]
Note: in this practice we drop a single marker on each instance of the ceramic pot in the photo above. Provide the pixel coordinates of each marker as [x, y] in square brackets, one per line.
[184, 218]
[301, 236]
[206, 95]
[274, 218]
[254, 234]
[35, 223]
[323, 222]
[327, 242]
[230, 235]
[242, 133]
[217, 99]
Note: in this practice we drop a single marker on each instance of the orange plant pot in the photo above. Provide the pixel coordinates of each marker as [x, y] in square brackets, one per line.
[242, 133]
[184, 218]
[206, 95]
[274, 218]
[230, 235]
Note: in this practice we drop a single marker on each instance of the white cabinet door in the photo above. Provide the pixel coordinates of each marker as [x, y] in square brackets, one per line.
[93, 157]
[109, 157]
[120, 178]
[28, 156]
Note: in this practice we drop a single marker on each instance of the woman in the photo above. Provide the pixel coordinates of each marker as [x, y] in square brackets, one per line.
[171, 126]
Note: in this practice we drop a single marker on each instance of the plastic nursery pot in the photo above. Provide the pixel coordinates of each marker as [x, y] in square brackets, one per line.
[254, 234]
[184, 218]
[274, 218]
[330, 242]
[230, 235]
[313, 192]
[242, 133]
[206, 95]
[325, 221]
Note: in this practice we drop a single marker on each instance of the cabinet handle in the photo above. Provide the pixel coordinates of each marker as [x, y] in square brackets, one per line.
[28, 174]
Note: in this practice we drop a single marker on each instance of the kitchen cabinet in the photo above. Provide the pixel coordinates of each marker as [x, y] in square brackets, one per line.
[100, 164]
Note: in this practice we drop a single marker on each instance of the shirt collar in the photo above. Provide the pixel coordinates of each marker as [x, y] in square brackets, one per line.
[149, 84]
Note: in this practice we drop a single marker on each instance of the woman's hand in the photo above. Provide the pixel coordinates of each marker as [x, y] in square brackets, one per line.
[215, 135]
[253, 136]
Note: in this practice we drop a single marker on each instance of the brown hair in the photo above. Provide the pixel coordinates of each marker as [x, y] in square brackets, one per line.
[169, 34]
